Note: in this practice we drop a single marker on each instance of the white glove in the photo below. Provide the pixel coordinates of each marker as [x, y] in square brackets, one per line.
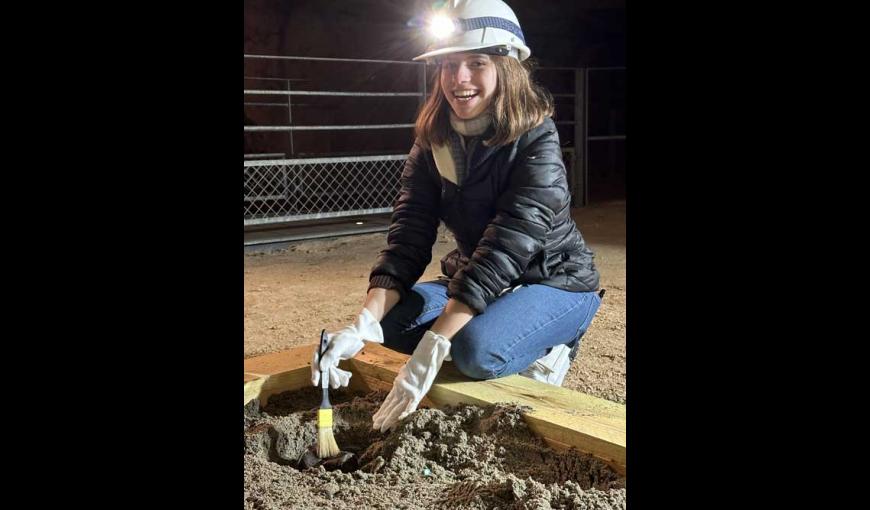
[345, 344]
[413, 381]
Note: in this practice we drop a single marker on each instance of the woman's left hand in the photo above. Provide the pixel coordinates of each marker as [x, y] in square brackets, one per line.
[413, 381]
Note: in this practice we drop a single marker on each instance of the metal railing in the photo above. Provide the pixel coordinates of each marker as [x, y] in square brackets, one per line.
[288, 190]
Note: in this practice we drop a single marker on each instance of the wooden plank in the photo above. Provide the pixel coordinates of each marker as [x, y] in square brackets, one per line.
[277, 372]
[366, 384]
[253, 388]
[378, 363]
[279, 362]
[589, 423]
[291, 370]
[563, 418]
[559, 415]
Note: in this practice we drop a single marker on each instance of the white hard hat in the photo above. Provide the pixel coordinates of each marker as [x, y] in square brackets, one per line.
[481, 25]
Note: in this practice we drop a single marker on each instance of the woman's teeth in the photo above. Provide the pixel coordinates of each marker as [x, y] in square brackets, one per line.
[465, 96]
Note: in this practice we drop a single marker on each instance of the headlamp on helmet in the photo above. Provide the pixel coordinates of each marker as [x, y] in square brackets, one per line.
[441, 26]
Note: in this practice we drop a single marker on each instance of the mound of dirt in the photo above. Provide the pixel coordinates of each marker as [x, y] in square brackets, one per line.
[466, 457]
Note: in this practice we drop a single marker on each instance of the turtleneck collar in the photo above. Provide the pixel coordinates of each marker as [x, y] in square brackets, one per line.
[471, 127]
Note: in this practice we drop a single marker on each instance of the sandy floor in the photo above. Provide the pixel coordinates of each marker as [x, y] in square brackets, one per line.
[291, 294]
[460, 457]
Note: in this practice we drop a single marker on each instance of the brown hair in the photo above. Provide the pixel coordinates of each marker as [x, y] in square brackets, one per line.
[518, 105]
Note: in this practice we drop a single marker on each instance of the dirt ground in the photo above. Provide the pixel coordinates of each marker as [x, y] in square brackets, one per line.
[291, 294]
[458, 457]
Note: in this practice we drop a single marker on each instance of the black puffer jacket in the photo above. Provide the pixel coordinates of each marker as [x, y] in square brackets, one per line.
[511, 218]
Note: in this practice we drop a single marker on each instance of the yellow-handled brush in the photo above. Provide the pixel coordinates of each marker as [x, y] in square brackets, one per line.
[326, 445]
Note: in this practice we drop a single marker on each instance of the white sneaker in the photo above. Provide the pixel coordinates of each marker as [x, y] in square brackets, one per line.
[551, 369]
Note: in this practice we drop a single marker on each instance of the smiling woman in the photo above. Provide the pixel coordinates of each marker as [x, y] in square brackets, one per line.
[488, 164]
[468, 82]
[503, 95]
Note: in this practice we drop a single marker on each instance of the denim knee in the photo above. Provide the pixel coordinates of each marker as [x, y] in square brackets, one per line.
[392, 326]
[473, 358]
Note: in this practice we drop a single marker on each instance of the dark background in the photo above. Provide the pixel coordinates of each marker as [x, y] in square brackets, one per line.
[560, 32]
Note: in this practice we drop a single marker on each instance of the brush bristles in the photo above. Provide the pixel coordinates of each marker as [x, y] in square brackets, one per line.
[326, 445]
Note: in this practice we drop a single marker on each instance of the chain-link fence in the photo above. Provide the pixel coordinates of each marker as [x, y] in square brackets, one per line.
[285, 190]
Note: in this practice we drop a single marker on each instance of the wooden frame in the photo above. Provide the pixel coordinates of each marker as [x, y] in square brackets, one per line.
[563, 418]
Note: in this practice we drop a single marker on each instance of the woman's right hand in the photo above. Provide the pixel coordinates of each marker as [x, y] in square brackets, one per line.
[345, 344]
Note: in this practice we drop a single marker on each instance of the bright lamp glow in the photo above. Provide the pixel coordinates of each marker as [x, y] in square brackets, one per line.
[441, 26]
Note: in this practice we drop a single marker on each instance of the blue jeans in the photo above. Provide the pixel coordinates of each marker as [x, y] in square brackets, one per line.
[518, 328]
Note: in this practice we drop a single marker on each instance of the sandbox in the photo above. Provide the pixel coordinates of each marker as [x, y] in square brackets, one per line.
[461, 449]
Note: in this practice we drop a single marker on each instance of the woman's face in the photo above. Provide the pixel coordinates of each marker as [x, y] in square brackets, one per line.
[468, 83]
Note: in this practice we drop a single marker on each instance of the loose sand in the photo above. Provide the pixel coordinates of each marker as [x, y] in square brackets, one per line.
[459, 457]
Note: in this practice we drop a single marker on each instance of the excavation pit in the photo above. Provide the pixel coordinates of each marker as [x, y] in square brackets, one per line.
[456, 457]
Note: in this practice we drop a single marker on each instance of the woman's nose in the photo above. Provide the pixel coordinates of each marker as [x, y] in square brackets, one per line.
[462, 73]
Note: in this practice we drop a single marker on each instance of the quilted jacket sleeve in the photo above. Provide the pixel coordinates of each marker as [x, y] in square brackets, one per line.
[413, 228]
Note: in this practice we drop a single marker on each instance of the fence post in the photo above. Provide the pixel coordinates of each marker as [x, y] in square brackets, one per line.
[290, 117]
[421, 85]
[580, 188]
